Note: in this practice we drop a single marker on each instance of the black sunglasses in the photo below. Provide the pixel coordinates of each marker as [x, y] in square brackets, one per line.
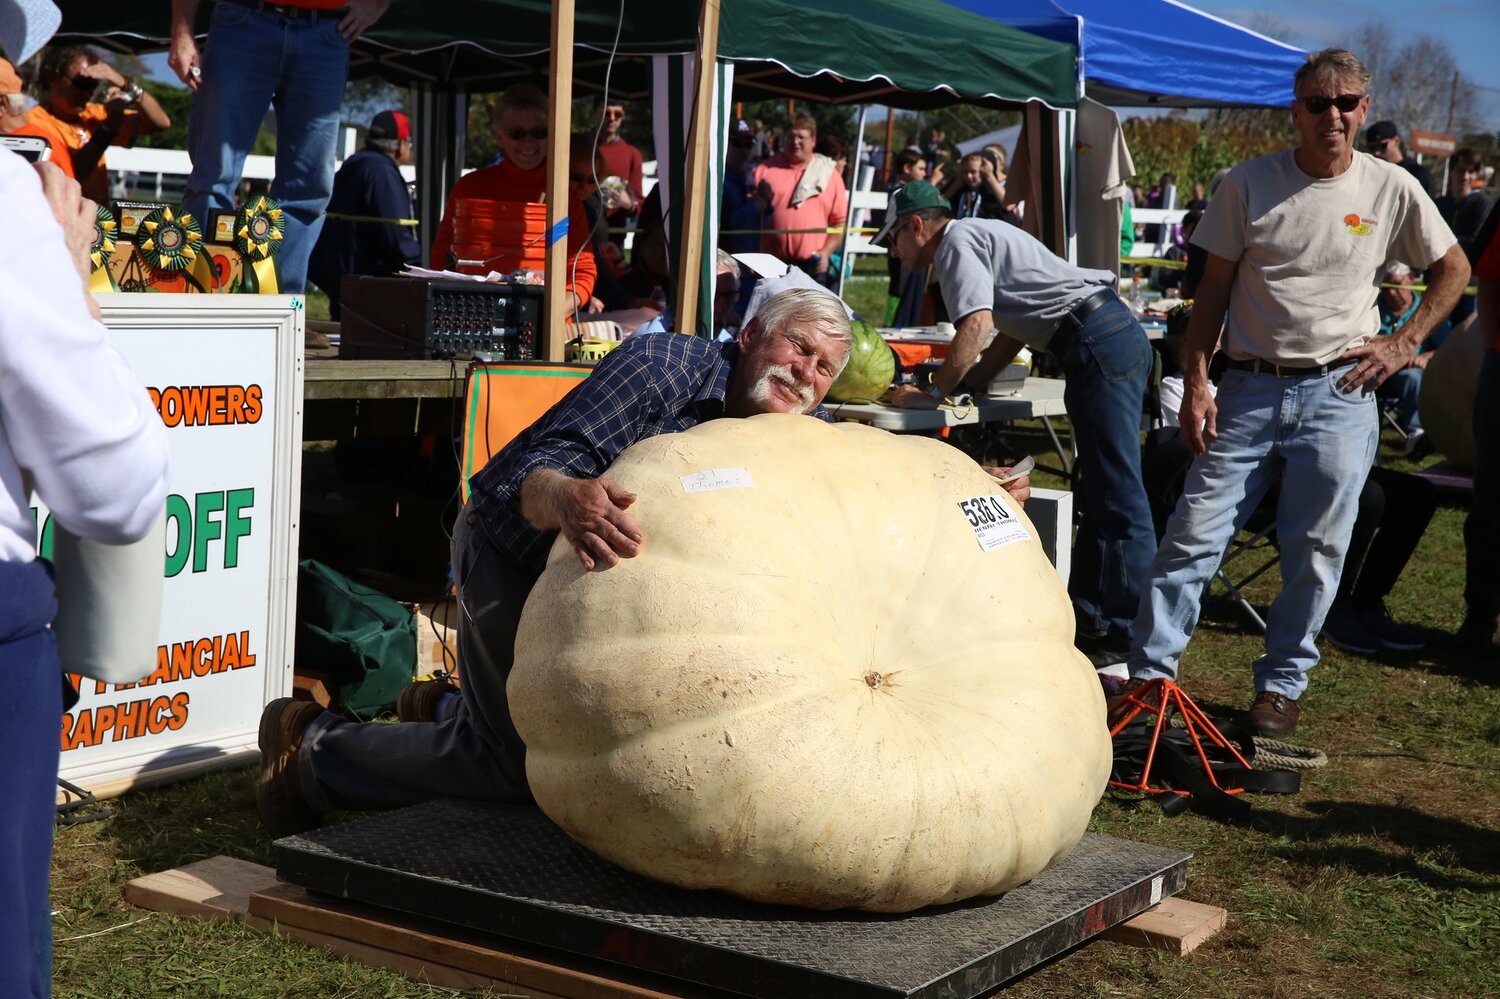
[1344, 102]
[518, 134]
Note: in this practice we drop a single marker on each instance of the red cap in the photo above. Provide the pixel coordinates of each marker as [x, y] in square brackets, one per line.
[390, 125]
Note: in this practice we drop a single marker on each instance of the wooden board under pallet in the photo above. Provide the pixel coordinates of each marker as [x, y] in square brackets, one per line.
[231, 889]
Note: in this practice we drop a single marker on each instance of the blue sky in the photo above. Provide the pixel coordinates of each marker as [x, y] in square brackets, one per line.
[1471, 30]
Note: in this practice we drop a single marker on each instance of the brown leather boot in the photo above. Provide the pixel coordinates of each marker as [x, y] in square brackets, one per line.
[1273, 714]
[278, 792]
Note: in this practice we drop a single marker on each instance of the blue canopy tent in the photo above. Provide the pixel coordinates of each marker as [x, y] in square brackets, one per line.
[1157, 53]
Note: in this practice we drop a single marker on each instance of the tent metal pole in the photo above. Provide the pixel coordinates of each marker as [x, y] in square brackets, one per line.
[845, 264]
[694, 201]
[560, 117]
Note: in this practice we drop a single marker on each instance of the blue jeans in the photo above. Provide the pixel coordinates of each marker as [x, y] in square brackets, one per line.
[1318, 442]
[255, 60]
[1105, 366]
[474, 751]
[29, 717]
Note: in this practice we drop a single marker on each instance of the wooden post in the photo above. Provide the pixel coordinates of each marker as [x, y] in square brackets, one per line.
[890, 138]
[560, 127]
[695, 195]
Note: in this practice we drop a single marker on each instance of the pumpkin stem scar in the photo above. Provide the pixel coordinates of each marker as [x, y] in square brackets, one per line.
[872, 678]
[875, 680]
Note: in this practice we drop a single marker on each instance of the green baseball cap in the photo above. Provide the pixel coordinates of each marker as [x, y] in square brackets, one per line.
[912, 198]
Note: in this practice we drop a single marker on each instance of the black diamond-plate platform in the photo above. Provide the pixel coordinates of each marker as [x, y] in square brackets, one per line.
[509, 871]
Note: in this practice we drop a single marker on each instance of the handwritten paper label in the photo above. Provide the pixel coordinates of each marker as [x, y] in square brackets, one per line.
[713, 479]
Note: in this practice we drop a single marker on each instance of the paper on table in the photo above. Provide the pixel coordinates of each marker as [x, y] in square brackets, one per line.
[426, 272]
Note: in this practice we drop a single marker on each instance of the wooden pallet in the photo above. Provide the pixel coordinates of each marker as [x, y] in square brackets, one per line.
[226, 888]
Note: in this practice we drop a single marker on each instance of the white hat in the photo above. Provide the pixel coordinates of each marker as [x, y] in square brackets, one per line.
[25, 26]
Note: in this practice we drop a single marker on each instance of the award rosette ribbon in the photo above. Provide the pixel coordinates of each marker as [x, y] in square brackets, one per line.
[258, 232]
[170, 241]
[102, 248]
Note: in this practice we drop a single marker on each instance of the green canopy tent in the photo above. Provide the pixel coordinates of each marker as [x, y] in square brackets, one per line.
[898, 53]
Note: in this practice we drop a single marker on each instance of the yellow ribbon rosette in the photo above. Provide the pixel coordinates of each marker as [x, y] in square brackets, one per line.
[258, 232]
[102, 248]
[174, 242]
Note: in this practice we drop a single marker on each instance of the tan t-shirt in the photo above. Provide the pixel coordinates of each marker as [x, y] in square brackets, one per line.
[1311, 252]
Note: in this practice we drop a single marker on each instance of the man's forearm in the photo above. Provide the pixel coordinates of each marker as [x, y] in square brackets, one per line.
[969, 341]
[537, 504]
[1203, 332]
[184, 16]
[832, 243]
[1450, 275]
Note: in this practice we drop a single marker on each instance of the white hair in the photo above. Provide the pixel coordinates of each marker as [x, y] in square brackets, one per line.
[808, 305]
[724, 263]
[1397, 269]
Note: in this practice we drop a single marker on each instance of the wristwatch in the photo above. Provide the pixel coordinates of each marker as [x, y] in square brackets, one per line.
[937, 393]
[132, 91]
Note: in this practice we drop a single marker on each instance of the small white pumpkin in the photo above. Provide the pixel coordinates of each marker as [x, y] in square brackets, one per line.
[819, 690]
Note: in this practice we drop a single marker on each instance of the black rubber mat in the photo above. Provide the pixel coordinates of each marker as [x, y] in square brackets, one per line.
[507, 870]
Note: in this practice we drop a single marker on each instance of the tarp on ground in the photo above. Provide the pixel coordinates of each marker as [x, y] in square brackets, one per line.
[894, 52]
[1158, 52]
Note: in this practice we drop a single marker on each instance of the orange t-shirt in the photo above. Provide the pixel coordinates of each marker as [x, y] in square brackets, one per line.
[61, 154]
[507, 182]
[76, 134]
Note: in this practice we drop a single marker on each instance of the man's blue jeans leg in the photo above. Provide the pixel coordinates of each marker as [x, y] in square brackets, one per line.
[1318, 442]
[1106, 366]
[256, 60]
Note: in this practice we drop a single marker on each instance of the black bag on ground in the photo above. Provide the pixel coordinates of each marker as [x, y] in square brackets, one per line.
[363, 639]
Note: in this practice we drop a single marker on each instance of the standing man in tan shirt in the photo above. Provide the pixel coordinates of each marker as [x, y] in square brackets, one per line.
[1296, 245]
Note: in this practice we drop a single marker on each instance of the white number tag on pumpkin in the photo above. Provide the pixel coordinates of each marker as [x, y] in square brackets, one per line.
[993, 523]
[713, 479]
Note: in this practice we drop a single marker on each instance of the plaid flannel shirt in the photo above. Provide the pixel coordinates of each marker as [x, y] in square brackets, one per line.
[654, 383]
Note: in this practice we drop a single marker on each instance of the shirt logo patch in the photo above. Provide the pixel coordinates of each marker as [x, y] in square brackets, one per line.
[1358, 226]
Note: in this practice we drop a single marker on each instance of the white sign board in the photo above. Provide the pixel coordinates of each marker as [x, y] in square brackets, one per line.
[225, 373]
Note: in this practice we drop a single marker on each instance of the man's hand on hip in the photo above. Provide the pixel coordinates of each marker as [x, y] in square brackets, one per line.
[361, 17]
[1198, 415]
[590, 513]
[1374, 362]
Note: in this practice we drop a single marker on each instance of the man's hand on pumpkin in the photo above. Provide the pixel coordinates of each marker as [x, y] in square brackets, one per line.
[590, 513]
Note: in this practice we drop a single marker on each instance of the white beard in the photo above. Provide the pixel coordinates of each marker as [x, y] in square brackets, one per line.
[761, 391]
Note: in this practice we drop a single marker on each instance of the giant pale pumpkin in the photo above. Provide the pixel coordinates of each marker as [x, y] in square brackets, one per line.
[813, 686]
[1449, 385]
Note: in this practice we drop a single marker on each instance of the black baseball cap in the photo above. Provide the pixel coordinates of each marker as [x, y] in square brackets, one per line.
[1380, 133]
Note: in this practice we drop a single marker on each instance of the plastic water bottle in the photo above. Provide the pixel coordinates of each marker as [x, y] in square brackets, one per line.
[1137, 298]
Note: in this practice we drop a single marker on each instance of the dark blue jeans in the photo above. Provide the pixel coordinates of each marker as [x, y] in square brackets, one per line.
[30, 714]
[1482, 527]
[474, 752]
[1106, 364]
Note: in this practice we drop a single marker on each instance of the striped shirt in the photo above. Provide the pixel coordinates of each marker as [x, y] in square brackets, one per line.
[652, 384]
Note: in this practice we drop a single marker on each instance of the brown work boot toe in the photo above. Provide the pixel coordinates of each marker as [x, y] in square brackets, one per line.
[278, 792]
[1273, 714]
[419, 700]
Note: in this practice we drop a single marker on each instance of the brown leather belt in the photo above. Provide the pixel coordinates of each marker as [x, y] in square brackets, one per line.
[1259, 367]
[290, 12]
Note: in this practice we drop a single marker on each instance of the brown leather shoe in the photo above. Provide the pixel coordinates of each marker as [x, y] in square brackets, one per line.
[1117, 705]
[278, 792]
[419, 700]
[1273, 714]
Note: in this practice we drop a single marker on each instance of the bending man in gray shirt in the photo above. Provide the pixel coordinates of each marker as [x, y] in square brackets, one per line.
[995, 275]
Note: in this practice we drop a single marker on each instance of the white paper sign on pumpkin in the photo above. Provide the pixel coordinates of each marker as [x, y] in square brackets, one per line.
[993, 524]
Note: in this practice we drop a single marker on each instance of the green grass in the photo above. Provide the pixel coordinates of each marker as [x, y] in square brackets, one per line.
[1381, 878]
